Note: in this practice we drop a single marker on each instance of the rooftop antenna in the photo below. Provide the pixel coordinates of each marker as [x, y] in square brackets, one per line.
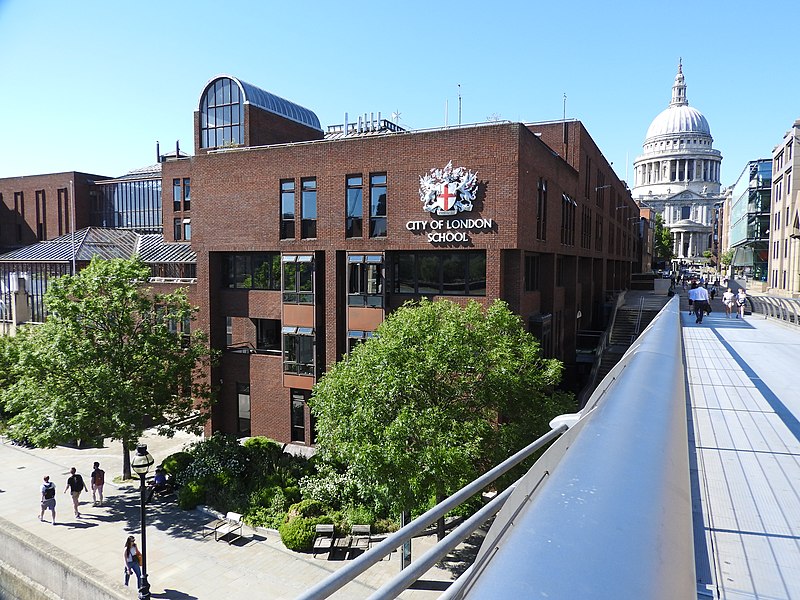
[459, 104]
[445, 112]
[564, 150]
[396, 116]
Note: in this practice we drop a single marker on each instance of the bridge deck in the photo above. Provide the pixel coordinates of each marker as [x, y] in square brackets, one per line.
[744, 404]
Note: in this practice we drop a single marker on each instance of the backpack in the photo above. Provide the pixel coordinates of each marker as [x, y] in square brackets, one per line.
[49, 491]
[98, 477]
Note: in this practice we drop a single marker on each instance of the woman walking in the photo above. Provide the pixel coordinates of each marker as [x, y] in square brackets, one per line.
[728, 301]
[741, 298]
[132, 558]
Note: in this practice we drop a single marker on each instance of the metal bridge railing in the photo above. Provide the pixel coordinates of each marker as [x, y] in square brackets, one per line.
[774, 307]
[605, 511]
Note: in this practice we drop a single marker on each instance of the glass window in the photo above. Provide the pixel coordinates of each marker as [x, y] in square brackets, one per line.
[377, 205]
[298, 350]
[298, 415]
[252, 270]
[308, 208]
[287, 209]
[541, 210]
[228, 332]
[243, 401]
[531, 272]
[177, 228]
[176, 194]
[187, 229]
[458, 273]
[354, 199]
[221, 115]
[365, 286]
[356, 337]
[298, 279]
[187, 194]
[268, 335]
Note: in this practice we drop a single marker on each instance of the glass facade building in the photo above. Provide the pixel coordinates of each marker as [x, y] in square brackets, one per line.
[749, 219]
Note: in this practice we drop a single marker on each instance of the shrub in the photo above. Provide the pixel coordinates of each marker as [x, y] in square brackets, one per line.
[385, 526]
[190, 495]
[176, 463]
[218, 454]
[298, 534]
[305, 508]
[272, 515]
[357, 515]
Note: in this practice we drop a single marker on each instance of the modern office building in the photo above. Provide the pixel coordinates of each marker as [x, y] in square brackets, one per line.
[784, 234]
[678, 176]
[749, 222]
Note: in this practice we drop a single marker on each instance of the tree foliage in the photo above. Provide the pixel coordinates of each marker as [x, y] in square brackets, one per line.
[107, 362]
[442, 393]
[662, 239]
[726, 258]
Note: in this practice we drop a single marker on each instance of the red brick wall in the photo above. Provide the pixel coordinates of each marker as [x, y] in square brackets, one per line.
[236, 198]
[50, 184]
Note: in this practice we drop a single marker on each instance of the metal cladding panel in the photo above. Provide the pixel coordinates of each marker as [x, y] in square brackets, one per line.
[278, 105]
[153, 249]
[105, 244]
[614, 519]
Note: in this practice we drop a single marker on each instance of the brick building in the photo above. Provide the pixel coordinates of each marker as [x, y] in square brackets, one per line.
[306, 239]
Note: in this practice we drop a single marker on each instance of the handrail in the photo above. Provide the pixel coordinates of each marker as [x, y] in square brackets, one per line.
[608, 505]
[601, 346]
[375, 554]
[776, 307]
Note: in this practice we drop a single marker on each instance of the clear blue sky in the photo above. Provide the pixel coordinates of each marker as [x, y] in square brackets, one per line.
[90, 86]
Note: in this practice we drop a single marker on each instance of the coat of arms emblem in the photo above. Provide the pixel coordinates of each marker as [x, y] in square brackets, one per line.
[448, 191]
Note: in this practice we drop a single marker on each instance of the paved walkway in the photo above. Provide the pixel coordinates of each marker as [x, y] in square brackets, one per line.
[744, 430]
[181, 564]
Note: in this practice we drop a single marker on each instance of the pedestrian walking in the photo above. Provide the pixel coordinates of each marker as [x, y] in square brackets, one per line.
[48, 492]
[728, 300]
[741, 298]
[699, 295]
[133, 560]
[98, 479]
[713, 291]
[76, 485]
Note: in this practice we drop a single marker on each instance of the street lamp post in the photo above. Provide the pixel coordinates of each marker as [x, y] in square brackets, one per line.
[141, 464]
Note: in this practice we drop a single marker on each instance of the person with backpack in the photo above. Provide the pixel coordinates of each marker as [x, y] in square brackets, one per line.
[98, 478]
[48, 491]
[76, 485]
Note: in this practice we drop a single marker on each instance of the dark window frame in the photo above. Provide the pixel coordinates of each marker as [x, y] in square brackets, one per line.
[354, 206]
[308, 207]
[297, 278]
[298, 350]
[365, 280]
[428, 270]
[378, 190]
[243, 423]
[246, 271]
[287, 199]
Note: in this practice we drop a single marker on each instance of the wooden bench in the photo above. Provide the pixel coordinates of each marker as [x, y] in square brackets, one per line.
[230, 526]
[324, 539]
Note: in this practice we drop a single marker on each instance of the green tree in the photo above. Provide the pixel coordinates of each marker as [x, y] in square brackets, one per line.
[662, 239]
[726, 258]
[442, 393]
[109, 362]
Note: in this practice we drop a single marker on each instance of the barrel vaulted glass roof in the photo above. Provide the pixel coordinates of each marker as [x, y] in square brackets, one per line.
[266, 100]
